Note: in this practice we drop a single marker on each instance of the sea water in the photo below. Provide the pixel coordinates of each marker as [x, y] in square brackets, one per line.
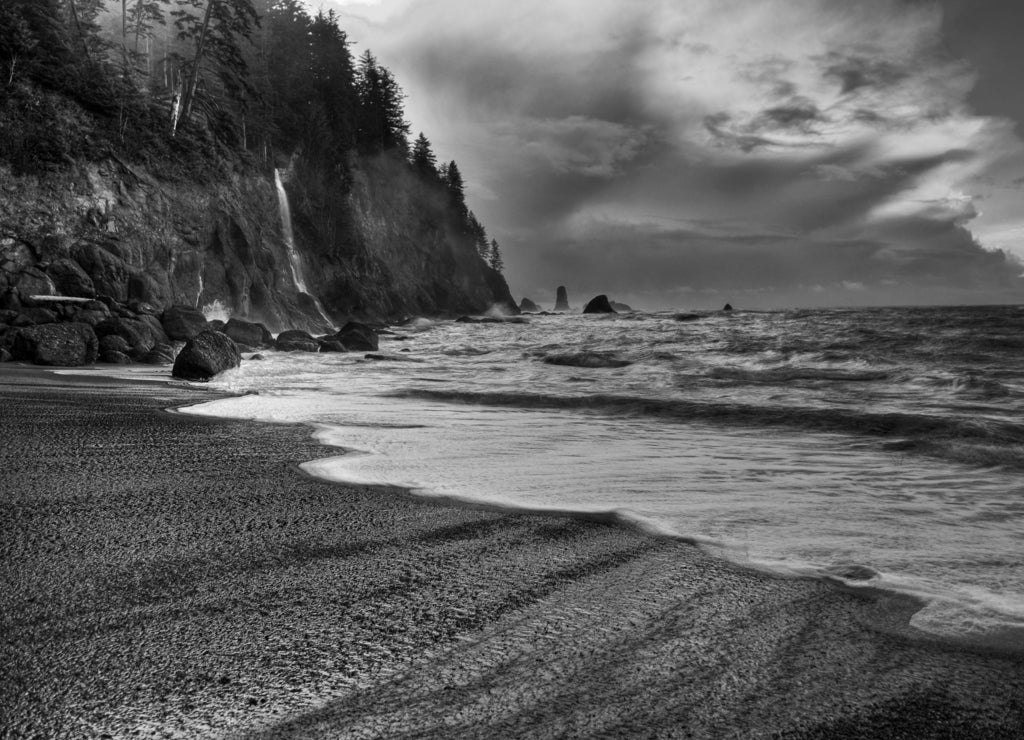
[882, 447]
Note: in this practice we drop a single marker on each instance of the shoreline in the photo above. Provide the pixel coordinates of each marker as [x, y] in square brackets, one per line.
[405, 611]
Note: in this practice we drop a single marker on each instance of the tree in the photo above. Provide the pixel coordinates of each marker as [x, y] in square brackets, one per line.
[424, 163]
[456, 188]
[215, 34]
[496, 262]
[382, 125]
[478, 234]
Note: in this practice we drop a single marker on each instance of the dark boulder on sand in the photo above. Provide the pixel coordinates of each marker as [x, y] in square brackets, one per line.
[138, 334]
[599, 304]
[114, 343]
[65, 345]
[358, 337]
[296, 340]
[561, 299]
[205, 355]
[527, 305]
[161, 354]
[587, 359]
[113, 357]
[183, 322]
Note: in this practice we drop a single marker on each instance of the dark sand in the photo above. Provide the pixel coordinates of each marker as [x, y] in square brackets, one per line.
[166, 575]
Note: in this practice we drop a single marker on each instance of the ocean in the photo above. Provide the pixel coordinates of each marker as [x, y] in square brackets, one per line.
[881, 448]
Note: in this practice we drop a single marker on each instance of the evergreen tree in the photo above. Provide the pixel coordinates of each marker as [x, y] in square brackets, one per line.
[496, 262]
[478, 234]
[382, 125]
[424, 163]
[456, 188]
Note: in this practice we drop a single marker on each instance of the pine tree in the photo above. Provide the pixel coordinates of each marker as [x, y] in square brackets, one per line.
[424, 163]
[382, 124]
[496, 262]
[456, 188]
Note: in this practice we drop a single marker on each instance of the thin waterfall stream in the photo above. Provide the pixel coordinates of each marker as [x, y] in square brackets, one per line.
[294, 258]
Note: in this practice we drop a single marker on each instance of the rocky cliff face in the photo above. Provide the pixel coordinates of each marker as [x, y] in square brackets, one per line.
[118, 229]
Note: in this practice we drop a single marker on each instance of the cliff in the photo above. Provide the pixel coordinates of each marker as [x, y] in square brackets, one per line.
[139, 237]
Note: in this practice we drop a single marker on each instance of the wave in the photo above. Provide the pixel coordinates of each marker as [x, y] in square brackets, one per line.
[976, 441]
[789, 374]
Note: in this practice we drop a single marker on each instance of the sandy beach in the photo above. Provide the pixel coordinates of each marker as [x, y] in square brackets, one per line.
[173, 576]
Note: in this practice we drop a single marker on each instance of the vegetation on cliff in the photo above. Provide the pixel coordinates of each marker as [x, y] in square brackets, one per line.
[216, 94]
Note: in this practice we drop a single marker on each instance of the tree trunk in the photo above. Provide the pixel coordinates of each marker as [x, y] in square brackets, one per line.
[81, 34]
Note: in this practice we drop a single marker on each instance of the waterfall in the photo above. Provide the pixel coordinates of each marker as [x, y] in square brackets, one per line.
[294, 258]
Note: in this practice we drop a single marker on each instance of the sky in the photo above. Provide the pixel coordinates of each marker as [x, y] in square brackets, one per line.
[688, 153]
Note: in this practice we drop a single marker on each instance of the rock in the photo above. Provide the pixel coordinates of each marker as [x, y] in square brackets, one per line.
[10, 300]
[390, 358]
[257, 357]
[205, 355]
[561, 299]
[113, 357]
[36, 316]
[621, 307]
[155, 327]
[527, 305]
[109, 273]
[137, 333]
[587, 359]
[87, 316]
[727, 307]
[296, 340]
[143, 308]
[244, 332]
[5, 356]
[358, 337]
[599, 304]
[65, 345]
[183, 322]
[70, 279]
[686, 316]
[114, 343]
[331, 345]
[217, 325]
[33, 281]
[161, 354]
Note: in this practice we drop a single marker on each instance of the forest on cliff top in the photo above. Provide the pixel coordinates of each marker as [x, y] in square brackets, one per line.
[196, 89]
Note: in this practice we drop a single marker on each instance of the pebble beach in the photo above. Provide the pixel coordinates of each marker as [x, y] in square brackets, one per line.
[167, 575]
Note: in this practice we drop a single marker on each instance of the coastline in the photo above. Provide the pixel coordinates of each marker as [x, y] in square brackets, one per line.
[180, 575]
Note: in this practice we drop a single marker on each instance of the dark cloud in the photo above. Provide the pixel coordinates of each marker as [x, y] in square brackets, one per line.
[856, 72]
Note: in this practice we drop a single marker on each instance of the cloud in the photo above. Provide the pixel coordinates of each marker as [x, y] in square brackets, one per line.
[768, 147]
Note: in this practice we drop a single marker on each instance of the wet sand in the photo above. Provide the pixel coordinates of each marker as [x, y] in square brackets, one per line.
[166, 575]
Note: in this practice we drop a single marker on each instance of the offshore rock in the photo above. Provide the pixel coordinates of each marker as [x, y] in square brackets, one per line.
[587, 359]
[561, 299]
[64, 345]
[358, 337]
[331, 345]
[296, 340]
[527, 305]
[183, 322]
[205, 355]
[727, 307]
[621, 307]
[599, 304]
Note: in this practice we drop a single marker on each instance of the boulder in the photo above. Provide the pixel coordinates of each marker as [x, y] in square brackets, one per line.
[599, 304]
[155, 327]
[35, 316]
[527, 305]
[296, 340]
[205, 355]
[70, 278]
[114, 343]
[183, 322]
[108, 272]
[244, 332]
[218, 325]
[727, 307]
[113, 357]
[33, 281]
[587, 359]
[143, 308]
[358, 337]
[561, 299]
[331, 345]
[161, 354]
[138, 334]
[65, 345]
[621, 307]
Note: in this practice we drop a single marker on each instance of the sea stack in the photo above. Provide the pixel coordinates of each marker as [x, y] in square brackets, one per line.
[599, 304]
[561, 299]
[727, 307]
[527, 305]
